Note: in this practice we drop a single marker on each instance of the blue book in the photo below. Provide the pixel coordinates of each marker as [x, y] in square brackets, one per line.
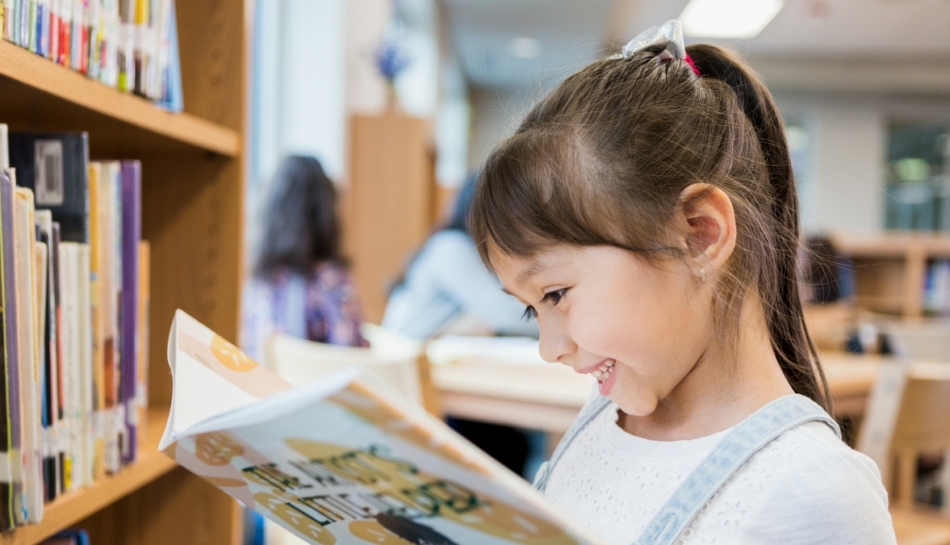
[172, 97]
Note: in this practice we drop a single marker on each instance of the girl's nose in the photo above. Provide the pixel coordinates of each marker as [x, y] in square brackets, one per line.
[555, 346]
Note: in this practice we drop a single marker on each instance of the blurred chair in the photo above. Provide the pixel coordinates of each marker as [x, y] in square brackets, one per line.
[299, 361]
[906, 416]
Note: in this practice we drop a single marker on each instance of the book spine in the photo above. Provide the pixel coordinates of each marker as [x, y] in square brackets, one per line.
[131, 234]
[31, 28]
[85, 440]
[54, 29]
[93, 29]
[9, 487]
[96, 172]
[60, 364]
[46, 376]
[77, 54]
[109, 288]
[145, 290]
[42, 28]
[28, 348]
[126, 45]
[11, 343]
[72, 342]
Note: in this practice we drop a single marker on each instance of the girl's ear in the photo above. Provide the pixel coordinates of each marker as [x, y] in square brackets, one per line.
[707, 224]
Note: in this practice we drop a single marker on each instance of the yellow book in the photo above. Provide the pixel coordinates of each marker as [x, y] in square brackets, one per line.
[95, 423]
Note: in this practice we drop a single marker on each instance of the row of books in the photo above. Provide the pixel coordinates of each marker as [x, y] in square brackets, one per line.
[128, 44]
[74, 298]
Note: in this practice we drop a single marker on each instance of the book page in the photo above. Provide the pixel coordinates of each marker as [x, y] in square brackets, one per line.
[339, 461]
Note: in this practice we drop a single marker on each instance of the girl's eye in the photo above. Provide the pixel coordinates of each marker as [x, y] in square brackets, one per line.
[553, 296]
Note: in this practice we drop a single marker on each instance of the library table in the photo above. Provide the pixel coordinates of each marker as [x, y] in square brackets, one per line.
[548, 396]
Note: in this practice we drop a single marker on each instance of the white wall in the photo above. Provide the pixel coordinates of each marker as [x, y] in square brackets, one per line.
[844, 187]
[365, 22]
[299, 105]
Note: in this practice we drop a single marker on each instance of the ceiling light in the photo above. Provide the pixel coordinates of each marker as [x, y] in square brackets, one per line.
[728, 18]
[524, 48]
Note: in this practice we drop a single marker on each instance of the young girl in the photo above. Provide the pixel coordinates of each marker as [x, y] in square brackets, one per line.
[646, 215]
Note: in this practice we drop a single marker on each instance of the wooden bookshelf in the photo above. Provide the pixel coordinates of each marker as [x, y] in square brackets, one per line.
[392, 183]
[889, 268]
[192, 204]
[76, 506]
[81, 102]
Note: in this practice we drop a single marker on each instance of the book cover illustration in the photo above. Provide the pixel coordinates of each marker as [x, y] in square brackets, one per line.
[341, 461]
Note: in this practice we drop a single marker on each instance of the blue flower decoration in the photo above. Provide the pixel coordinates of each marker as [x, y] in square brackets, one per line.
[390, 59]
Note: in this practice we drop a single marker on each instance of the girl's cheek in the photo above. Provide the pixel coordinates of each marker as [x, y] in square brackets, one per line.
[593, 330]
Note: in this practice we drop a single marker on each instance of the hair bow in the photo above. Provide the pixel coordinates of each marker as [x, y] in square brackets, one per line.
[669, 35]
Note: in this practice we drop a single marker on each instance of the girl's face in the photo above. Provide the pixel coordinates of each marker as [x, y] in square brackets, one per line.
[639, 329]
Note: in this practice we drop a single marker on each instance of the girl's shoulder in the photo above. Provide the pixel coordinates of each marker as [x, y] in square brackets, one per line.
[808, 480]
[814, 445]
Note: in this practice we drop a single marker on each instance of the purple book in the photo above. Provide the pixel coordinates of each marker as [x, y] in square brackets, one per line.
[8, 294]
[129, 304]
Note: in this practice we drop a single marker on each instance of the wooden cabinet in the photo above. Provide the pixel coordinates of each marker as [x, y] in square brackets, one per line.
[890, 268]
[391, 201]
[192, 202]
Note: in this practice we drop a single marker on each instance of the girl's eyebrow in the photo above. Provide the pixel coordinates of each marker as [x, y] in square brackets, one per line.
[526, 274]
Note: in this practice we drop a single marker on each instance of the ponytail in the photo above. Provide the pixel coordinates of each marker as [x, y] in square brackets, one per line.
[791, 341]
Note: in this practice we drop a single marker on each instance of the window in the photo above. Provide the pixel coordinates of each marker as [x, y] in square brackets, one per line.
[918, 185]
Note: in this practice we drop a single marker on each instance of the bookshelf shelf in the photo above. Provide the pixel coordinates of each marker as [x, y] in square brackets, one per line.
[76, 506]
[890, 268]
[84, 104]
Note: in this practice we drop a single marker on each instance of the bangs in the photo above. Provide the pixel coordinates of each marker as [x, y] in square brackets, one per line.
[540, 188]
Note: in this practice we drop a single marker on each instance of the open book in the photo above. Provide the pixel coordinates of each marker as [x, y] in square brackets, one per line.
[341, 461]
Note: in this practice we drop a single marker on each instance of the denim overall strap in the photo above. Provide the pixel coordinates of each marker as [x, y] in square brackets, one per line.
[587, 414]
[747, 438]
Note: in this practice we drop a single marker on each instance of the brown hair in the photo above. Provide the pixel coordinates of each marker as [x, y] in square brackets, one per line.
[603, 159]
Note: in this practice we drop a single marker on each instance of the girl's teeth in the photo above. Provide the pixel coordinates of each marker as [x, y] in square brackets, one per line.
[602, 373]
[610, 363]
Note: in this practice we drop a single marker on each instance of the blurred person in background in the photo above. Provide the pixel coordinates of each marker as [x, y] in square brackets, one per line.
[300, 284]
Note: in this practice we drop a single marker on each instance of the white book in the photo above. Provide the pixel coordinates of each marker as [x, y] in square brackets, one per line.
[78, 379]
[28, 347]
[109, 282]
[4, 146]
[87, 403]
